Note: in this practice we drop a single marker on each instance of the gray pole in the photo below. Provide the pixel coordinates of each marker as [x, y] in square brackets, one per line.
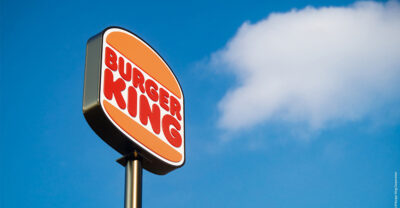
[133, 183]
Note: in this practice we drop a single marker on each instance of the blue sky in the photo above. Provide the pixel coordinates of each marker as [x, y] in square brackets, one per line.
[337, 146]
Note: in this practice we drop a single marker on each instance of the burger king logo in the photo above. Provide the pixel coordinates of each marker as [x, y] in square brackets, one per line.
[139, 104]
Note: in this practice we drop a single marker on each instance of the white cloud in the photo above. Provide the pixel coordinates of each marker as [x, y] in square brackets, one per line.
[314, 65]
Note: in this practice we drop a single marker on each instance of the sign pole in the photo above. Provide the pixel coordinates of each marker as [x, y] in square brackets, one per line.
[133, 180]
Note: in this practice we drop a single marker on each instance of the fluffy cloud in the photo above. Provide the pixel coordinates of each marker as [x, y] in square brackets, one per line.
[315, 65]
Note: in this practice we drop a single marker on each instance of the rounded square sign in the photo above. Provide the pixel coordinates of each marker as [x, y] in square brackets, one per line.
[133, 101]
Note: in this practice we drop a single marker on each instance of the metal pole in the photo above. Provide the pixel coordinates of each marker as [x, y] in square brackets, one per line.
[133, 183]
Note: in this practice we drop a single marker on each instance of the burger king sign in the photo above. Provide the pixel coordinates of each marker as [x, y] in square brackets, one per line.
[133, 101]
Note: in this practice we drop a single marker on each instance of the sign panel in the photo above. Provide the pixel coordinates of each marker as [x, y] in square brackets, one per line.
[133, 101]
